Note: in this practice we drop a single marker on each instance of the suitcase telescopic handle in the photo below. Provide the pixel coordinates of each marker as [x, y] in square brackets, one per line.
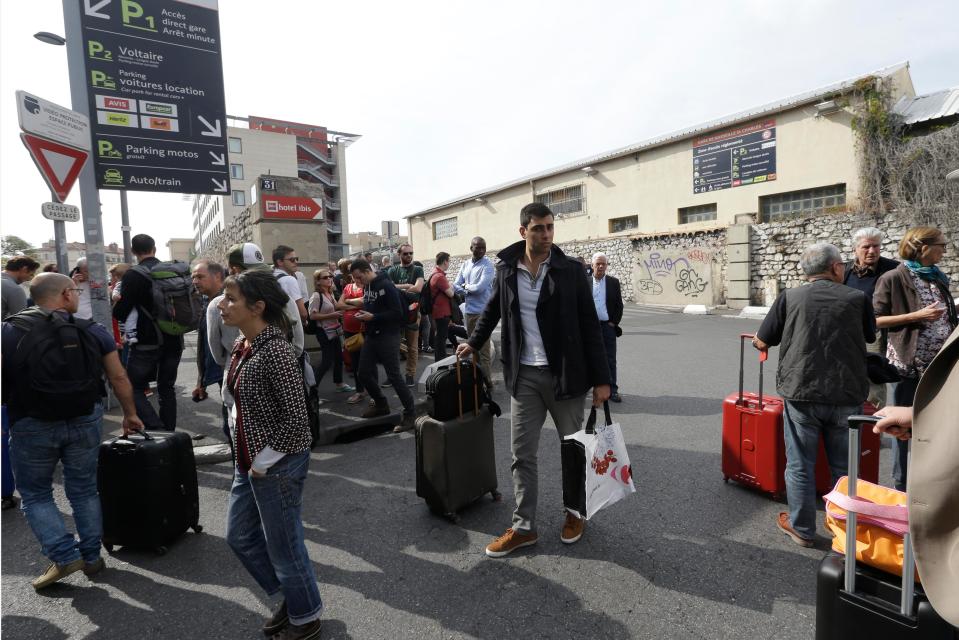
[763, 355]
[908, 559]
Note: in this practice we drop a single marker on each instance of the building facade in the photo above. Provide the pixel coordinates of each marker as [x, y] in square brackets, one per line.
[267, 146]
[47, 252]
[797, 155]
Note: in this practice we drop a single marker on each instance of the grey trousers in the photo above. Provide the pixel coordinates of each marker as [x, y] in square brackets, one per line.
[534, 397]
[484, 352]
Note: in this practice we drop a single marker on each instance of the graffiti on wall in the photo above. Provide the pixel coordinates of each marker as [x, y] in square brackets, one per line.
[675, 277]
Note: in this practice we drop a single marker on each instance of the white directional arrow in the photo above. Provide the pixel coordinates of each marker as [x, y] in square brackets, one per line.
[218, 159]
[211, 130]
[93, 10]
[220, 186]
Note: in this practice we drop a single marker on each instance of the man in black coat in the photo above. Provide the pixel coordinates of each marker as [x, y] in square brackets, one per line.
[608, 298]
[552, 353]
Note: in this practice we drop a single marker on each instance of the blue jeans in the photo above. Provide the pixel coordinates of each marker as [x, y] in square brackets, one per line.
[803, 422]
[903, 395]
[8, 483]
[38, 445]
[265, 530]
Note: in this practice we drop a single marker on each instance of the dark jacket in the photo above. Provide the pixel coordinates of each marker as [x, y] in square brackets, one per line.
[383, 300]
[136, 291]
[896, 295]
[567, 323]
[822, 330]
[614, 301]
[868, 284]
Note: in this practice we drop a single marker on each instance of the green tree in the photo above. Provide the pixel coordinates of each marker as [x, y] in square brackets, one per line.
[12, 245]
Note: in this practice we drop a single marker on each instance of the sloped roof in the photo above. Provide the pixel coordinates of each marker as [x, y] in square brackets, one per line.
[776, 106]
[933, 106]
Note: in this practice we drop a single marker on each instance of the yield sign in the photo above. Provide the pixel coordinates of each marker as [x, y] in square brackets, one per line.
[58, 164]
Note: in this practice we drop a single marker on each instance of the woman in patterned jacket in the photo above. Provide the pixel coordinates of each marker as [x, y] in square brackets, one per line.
[271, 437]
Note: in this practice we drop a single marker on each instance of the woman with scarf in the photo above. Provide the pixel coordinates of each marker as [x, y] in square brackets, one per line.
[912, 302]
[271, 437]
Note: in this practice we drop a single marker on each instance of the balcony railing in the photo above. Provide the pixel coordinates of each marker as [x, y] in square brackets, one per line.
[316, 171]
[322, 157]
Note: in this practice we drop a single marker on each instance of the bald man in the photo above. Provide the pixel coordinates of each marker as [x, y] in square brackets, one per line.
[52, 366]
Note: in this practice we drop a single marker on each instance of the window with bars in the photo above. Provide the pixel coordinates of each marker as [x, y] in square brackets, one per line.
[808, 201]
[447, 228]
[700, 213]
[567, 201]
[623, 224]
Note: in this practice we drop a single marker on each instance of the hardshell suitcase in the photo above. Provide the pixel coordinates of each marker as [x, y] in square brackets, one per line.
[456, 459]
[148, 490]
[857, 601]
[449, 390]
[754, 452]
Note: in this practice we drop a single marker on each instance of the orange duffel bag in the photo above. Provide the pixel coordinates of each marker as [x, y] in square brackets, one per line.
[881, 521]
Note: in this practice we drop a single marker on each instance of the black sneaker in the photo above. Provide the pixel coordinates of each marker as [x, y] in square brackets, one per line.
[308, 631]
[278, 622]
[386, 384]
[410, 382]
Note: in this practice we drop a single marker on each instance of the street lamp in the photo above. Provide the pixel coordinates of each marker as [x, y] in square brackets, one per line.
[50, 38]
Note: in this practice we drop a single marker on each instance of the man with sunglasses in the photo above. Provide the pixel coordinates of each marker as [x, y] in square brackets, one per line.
[408, 278]
[285, 265]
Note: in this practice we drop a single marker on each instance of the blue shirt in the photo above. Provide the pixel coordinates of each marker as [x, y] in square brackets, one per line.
[475, 281]
[599, 298]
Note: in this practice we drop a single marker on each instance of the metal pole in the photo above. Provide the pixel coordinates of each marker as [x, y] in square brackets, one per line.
[89, 195]
[125, 227]
[60, 242]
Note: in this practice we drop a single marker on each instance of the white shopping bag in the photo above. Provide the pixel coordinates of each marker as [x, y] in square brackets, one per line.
[609, 476]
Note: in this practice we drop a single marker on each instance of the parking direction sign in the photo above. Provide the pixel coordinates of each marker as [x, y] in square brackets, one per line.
[154, 80]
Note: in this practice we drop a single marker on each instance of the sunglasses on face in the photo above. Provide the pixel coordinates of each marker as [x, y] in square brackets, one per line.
[293, 259]
[407, 253]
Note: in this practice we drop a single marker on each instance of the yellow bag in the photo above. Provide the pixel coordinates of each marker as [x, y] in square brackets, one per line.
[881, 520]
[354, 342]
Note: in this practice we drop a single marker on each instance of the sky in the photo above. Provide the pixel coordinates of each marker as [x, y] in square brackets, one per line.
[452, 96]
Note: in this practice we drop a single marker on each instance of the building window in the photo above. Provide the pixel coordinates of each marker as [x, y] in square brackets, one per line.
[701, 213]
[236, 145]
[795, 203]
[239, 198]
[564, 202]
[445, 228]
[236, 171]
[623, 224]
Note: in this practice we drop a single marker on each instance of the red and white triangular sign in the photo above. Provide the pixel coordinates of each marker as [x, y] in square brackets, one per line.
[59, 164]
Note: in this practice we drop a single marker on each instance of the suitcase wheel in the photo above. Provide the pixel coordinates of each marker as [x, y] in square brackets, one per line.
[197, 528]
[108, 547]
[452, 517]
[726, 479]
[161, 551]
[496, 495]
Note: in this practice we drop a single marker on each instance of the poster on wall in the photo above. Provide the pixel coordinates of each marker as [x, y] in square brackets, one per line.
[735, 157]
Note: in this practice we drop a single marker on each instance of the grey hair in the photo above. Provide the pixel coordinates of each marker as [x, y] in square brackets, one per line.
[82, 262]
[866, 233]
[596, 256]
[819, 258]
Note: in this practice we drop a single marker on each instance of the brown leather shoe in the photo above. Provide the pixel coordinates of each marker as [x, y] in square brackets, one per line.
[783, 523]
[509, 542]
[375, 411]
[56, 572]
[572, 529]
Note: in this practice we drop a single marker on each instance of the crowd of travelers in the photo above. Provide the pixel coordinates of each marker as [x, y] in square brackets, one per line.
[559, 322]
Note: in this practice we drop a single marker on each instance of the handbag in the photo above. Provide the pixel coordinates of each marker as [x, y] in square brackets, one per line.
[881, 520]
[354, 342]
[608, 473]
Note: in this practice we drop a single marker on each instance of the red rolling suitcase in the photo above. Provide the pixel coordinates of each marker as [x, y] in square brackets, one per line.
[754, 452]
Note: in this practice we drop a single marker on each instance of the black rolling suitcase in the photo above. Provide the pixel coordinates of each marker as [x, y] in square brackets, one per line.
[455, 458]
[148, 490]
[857, 601]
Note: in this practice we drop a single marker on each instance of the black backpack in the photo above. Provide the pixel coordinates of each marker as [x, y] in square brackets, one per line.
[57, 368]
[426, 297]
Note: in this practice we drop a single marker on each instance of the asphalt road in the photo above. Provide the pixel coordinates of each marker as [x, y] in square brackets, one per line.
[687, 556]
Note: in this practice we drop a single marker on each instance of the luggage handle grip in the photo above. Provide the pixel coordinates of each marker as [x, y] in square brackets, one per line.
[591, 420]
[142, 432]
[763, 356]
